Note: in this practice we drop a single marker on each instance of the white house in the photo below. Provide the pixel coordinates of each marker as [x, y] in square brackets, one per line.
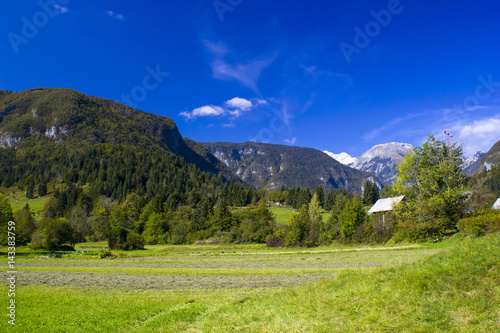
[496, 205]
[385, 205]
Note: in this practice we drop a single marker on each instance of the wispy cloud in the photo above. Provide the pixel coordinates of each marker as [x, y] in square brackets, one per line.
[234, 107]
[61, 9]
[115, 15]
[394, 122]
[247, 73]
[290, 141]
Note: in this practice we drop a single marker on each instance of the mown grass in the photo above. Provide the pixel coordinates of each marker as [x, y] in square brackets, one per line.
[454, 290]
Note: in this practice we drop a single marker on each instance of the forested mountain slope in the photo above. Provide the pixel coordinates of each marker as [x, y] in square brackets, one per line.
[270, 166]
[45, 132]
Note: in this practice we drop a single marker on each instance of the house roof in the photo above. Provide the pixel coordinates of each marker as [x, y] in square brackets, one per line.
[496, 205]
[386, 204]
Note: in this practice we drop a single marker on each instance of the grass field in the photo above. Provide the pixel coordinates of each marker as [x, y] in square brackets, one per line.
[448, 287]
[283, 214]
[18, 200]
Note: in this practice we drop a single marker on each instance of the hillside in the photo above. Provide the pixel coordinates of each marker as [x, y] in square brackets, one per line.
[472, 162]
[41, 119]
[491, 158]
[270, 166]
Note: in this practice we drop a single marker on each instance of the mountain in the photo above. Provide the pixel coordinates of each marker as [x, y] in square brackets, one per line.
[471, 163]
[343, 158]
[491, 158]
[381, 160]
[39, 120]
[270, 166]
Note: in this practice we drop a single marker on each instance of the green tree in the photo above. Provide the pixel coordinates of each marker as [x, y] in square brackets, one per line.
[351, 217]
[318, 190]
[300, 224]
[436, 190]
[316, 221]
[42, 188]
[30, 186]
[370, 193]
[25, 225]
[51, 234]
[156, 228]
[5, 217]
[388, 192]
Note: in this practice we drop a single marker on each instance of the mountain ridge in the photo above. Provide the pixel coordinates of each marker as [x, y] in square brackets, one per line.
[271, 165]
[34, 117]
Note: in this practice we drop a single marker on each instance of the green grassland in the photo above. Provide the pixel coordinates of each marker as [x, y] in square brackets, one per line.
[452, 286]
[18, 200]
[284, 214]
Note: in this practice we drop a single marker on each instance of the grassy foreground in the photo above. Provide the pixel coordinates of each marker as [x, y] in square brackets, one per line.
[455, 290]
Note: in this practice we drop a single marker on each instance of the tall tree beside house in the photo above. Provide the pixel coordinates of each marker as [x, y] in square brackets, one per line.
[370, 193]
[436, 190]
[351, 217]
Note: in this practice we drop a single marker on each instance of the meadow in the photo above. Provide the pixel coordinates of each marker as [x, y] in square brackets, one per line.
[451, 286]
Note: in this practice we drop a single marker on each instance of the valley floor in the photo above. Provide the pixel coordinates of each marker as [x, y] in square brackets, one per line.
[453, 286]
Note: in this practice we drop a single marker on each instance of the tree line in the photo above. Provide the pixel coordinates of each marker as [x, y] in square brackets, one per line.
[120, 194]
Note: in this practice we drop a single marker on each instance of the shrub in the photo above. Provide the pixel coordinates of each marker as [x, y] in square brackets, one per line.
[277, 239]
[125, 239]
[480, 224]
[104, 253]
[51, 234]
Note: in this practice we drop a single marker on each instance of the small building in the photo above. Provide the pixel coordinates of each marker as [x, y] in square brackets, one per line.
[496, 205]
[385, 205]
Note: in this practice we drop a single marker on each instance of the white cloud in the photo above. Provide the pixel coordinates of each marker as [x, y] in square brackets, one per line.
[233, 107]
[204, 111]
[290, 141]
[115, 15]
[239, 103]
[480, 135]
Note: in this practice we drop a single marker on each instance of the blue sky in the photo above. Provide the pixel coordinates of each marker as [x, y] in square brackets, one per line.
[334, 75]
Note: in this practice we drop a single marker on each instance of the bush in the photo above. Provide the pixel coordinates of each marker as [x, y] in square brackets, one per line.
[277, 239]
[125, 239]
[51, 234]
[104, 253]
[134, 241]
[480, 223]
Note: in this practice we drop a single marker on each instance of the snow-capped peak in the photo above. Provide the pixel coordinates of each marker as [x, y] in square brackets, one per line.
[471, 163]
[343, 158]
